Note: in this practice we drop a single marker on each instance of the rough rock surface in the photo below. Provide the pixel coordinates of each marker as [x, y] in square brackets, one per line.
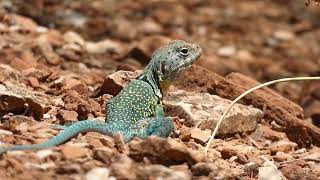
[205, 110]
[115, 82]
[16, 99]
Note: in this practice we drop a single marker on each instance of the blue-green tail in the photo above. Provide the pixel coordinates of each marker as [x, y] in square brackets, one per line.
[64, 135]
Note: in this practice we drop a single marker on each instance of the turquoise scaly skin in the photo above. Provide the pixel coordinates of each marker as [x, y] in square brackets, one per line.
[137, 110]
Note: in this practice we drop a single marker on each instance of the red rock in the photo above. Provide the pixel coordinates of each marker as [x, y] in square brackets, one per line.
[164, 151]
[19, 64]
[294, 172]
[185, 135]
[282, 146]
[46, 49]
[264, 131]
[34, 82]
[26, 23]
[72, 37]
[81, 104]
[68, 116]
[229, 152]
[81, 89]
[98, 140]
[41, 73]
[123, 167]
[53, 37]
[73, 152]
[16, 99]
[104, 155]
[115, 82]
[281, 156]
[51, 57]
[214, 170]
[155, 171]
[276, 108]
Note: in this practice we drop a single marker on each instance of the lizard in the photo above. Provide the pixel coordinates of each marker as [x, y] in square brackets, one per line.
[137, 110]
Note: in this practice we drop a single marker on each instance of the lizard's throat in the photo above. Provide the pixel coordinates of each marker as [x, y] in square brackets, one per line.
[152, 78]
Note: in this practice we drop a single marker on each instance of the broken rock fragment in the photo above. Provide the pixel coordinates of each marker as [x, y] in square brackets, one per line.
[205, 109]
[115, 82]
[164, 151]
[161, 172]
[18, 100]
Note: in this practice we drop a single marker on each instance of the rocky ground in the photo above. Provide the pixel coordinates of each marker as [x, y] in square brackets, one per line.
[58, 63]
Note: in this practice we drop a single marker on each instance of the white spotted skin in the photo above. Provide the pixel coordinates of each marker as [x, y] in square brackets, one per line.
[134, 103]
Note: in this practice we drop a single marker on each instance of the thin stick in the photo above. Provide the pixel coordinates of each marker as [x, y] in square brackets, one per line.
[247, 92]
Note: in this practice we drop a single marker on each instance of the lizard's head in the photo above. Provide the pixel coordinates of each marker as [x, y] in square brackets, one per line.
[169, 61]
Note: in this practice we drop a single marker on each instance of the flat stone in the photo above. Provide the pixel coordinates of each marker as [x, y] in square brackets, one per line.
[17, 99]
[206, 109]
[163, 151]
[199, 135]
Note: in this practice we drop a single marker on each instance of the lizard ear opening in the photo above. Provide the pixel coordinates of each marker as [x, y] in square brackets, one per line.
[162, 68]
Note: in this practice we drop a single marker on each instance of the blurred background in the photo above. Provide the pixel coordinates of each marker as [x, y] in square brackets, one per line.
[58, 63]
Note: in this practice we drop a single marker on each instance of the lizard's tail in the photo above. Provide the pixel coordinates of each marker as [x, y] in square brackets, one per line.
[64, 135]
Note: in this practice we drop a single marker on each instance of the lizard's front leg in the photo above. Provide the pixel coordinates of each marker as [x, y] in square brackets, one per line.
[159, 112]
[159, 125]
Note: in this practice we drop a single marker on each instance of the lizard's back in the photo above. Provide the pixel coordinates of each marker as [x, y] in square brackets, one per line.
[135, 102]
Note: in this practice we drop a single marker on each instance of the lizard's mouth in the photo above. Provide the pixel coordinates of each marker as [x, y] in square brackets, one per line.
[185, 67]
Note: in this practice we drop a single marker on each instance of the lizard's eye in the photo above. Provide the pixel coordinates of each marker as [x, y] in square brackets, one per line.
[184, 51]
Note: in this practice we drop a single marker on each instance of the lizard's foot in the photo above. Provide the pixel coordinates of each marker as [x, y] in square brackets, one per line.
[159, 126]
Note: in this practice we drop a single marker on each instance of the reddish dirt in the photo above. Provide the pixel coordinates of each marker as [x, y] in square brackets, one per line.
[55, 57]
